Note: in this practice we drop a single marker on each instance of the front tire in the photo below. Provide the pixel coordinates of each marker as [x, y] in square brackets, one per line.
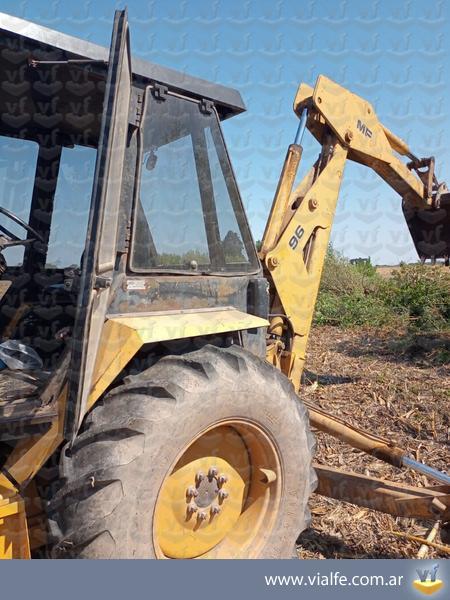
[202, 455]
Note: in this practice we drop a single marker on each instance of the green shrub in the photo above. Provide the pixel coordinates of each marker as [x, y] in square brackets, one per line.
[350, 295]
[366, 269]
[423, 293]
[416, 297]
[341, 277]
[349, 310]
[338, 276]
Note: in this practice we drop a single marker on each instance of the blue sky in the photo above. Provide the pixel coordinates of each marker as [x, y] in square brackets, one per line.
[394, 53]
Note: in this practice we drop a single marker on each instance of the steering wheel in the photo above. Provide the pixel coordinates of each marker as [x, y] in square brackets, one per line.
[11, 239]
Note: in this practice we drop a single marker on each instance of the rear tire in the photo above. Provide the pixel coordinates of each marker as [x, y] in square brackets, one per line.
[132, 441]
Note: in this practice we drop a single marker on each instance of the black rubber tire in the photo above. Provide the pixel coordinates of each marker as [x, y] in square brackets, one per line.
[114, 470]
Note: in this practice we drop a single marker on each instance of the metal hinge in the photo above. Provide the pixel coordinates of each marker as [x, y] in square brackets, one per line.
[160, 91]
[206, 106]
[127, 235]
[136, 107]
[101, 283]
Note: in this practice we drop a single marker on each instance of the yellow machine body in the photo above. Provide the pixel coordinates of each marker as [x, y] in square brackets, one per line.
[298, 230]
[122, 337]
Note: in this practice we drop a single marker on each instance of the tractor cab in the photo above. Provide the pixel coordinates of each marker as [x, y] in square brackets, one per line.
[117, 197]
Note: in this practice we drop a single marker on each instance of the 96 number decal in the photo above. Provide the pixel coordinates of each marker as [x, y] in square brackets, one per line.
[298, 234]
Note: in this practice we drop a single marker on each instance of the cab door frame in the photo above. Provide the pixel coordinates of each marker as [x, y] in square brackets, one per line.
[102, 233]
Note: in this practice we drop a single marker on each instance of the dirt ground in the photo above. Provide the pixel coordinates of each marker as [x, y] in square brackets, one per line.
[398, 390]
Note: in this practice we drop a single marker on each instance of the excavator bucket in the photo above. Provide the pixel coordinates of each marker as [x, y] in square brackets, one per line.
[430, 229]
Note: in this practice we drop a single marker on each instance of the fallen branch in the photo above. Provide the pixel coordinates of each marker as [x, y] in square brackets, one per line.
[423, 550]
[420, 540]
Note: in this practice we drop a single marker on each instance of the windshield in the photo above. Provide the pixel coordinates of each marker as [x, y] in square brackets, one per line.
[188, 214]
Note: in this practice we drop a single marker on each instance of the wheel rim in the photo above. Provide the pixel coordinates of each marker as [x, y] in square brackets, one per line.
[221, 497]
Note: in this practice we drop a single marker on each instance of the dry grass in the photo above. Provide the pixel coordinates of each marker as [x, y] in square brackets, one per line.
[387, 271]
[364, 377]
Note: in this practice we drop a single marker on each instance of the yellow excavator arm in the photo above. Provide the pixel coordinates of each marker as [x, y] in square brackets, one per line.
[297, 232]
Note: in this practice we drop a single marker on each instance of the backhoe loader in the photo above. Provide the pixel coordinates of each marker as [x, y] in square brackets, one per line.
[164, 420]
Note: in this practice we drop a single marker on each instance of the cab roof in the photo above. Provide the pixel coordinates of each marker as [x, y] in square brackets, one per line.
[228, 101]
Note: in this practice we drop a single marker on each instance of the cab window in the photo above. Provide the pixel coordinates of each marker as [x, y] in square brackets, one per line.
[18, 159]
[188, 214]
[71, 207]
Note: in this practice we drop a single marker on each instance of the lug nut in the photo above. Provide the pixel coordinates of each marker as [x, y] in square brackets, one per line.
[222, 495]
[202, 516]
[215, 510]
[191, 492]
[222, 479]
[212, 472]
[199, 477]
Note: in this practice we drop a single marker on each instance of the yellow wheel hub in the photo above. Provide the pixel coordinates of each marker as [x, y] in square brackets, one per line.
[214, 496]
[197, 509]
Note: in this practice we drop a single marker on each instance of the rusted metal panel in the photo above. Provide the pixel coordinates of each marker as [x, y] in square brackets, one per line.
[162, 293]
[147, 294]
